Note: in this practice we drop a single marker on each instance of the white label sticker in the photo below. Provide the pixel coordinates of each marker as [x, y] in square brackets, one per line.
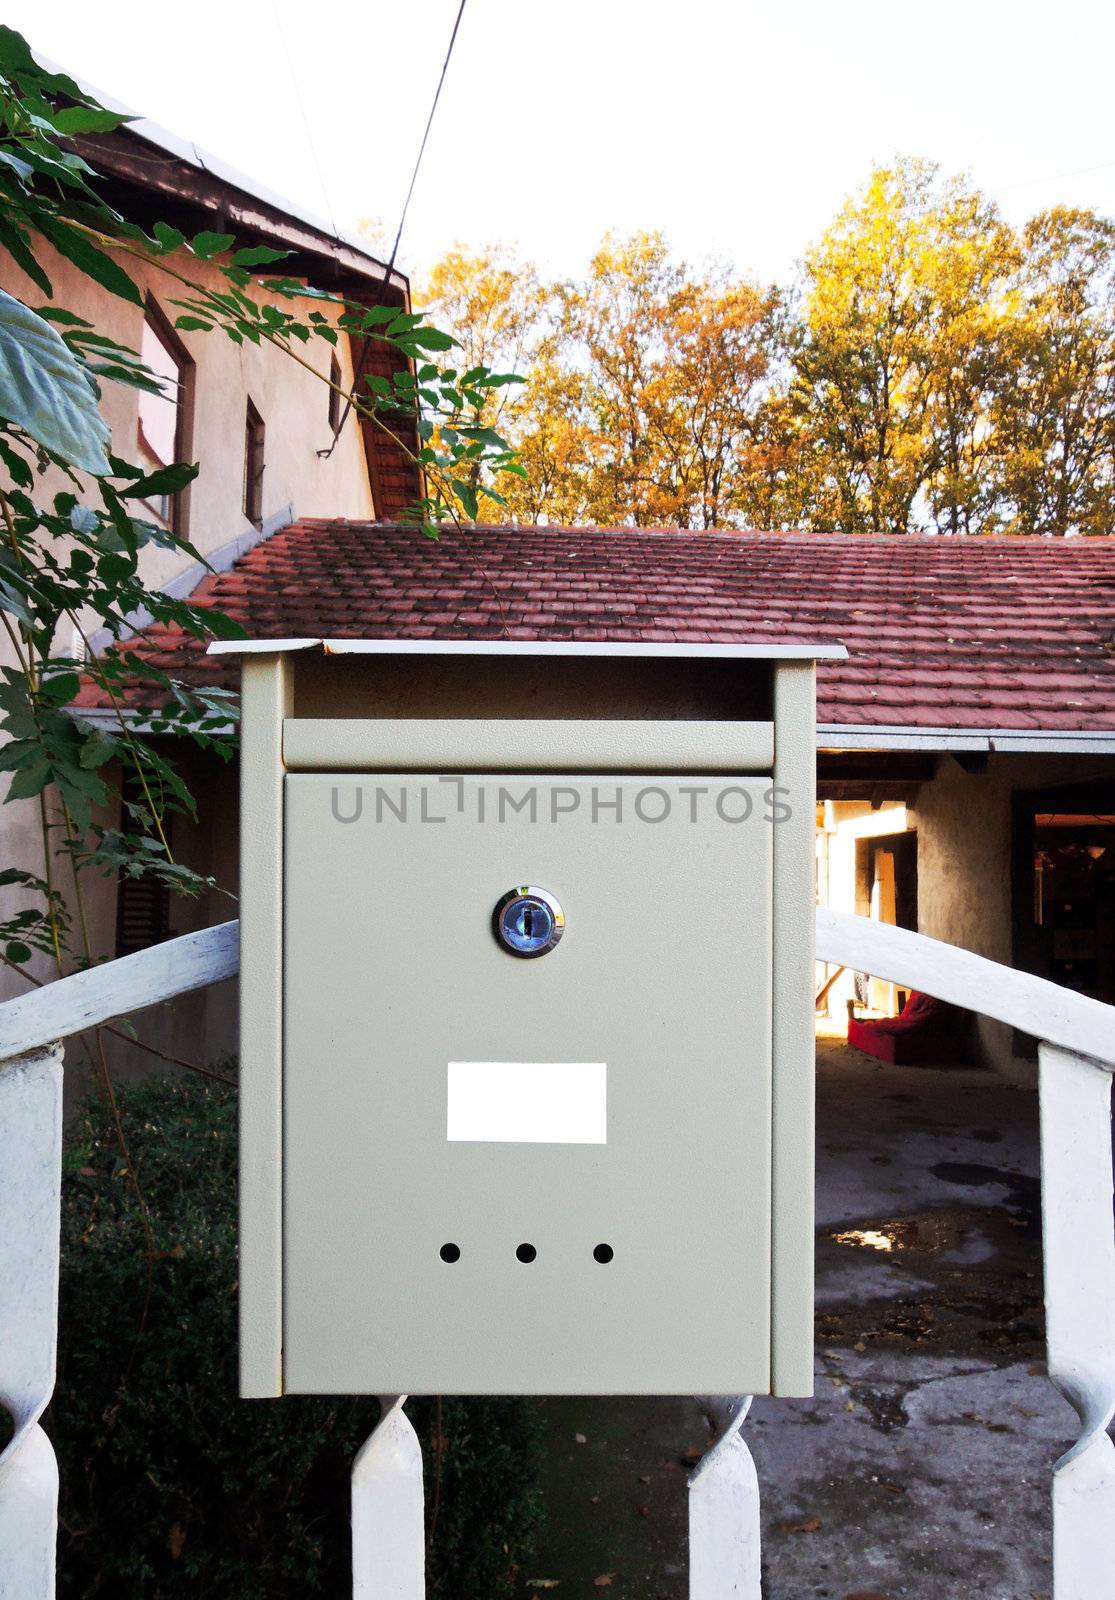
[528, 1102]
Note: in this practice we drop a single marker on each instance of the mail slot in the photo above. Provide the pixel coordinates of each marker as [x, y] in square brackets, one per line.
[526, 1018]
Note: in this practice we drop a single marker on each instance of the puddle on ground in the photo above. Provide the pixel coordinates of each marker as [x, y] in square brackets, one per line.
[975, 1274]
[1023, 1196]
[926, 1233]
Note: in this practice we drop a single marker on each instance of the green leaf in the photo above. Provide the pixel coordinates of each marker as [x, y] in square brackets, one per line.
[193, 325]
[425, 339]
[60, 688]
[16, 951]
[44, 390]
[19, 753]
[222, 627]
[15, 605]
[76, 247]
[207, 244]
[87, 119]
[18, 468]
[258, 255]
[121, 522]
[18, 62]
[23, 168]
[28, 782]
[168, 238]
[484, 436]
[467, 495]
[59, 314]
[83, 520]
[15, 243]
[368, 317]
[97, 750]
[167, 480]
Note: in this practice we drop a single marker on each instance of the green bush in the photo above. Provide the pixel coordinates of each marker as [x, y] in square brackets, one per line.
[171, 1485]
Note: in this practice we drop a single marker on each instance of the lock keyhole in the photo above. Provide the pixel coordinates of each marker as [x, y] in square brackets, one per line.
[528, 921]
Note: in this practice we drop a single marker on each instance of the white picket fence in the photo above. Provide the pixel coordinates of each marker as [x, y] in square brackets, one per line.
[1076, 1057]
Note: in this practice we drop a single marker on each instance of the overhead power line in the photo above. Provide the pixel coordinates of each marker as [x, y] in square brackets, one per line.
[364, 354]
[322, 185]
[1056, 177]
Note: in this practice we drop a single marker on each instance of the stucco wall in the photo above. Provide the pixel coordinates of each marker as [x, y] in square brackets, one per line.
[294, 405]
[963, 821]
[292, 401]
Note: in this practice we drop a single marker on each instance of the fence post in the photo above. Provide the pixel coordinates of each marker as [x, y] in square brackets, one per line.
[30, 1191]
[724, 1536]
[388, 1520]
[1079, 1250]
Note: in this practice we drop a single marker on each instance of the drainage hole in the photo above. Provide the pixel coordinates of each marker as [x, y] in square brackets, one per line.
[450, 1252]
[526, 1252]
[603, 1253]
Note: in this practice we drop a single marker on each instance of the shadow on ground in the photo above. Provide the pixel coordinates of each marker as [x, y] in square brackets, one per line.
[920, 1469]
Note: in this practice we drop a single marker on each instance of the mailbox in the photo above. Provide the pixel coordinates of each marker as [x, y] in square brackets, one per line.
[526, 1017]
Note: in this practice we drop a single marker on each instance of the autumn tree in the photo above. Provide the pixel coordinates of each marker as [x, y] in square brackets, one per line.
[971, 259]
[896, 351]
[643, 379]
[1054, 411]
[497, 309]
[706, 412]
[674, 367]
[614, 326]
[933, 371]
[554, 444]
[776, 478]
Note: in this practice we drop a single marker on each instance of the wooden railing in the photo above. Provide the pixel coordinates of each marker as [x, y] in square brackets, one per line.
[1076, 1056]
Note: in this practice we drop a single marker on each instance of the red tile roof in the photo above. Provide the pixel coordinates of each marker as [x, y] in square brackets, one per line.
[941, 633]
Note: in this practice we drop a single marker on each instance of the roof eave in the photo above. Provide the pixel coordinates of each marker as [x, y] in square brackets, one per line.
[533, 647]
[245, 203]
[1002, 741]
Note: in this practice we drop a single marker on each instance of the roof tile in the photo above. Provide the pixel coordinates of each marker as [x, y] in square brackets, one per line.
[960, 633]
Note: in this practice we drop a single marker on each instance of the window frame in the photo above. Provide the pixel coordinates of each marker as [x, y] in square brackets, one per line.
[334, 391]
[178, 510]
[255, 446]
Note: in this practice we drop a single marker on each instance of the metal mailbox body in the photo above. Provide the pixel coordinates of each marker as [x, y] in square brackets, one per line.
[463, 1172]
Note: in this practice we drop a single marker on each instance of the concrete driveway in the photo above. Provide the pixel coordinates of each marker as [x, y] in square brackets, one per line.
[921, 1467]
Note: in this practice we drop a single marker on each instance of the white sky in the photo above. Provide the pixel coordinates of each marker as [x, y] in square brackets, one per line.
[737, 126]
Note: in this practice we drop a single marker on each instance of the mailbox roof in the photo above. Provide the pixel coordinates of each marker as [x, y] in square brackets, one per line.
[944, 635]
[528, 647]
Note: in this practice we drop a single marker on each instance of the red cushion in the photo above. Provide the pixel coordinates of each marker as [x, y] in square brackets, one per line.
[927, 1031]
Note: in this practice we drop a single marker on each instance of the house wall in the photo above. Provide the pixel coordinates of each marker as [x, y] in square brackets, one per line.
[294, 405]
[292, 401]
[963, 821]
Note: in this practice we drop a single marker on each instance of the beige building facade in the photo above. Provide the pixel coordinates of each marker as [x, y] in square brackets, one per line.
[258, 421]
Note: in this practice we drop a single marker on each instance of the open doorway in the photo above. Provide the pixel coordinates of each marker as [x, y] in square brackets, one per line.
[868, 864]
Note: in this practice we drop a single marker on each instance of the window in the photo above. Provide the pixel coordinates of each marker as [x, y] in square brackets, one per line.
[142, 904]
[163, 433]
[142, 914]
[334, 393]
[253, 466]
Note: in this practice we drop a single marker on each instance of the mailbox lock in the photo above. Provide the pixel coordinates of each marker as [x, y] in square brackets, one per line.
[528, 921]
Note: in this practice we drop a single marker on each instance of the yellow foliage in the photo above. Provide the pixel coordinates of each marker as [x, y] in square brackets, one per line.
[935, 371]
